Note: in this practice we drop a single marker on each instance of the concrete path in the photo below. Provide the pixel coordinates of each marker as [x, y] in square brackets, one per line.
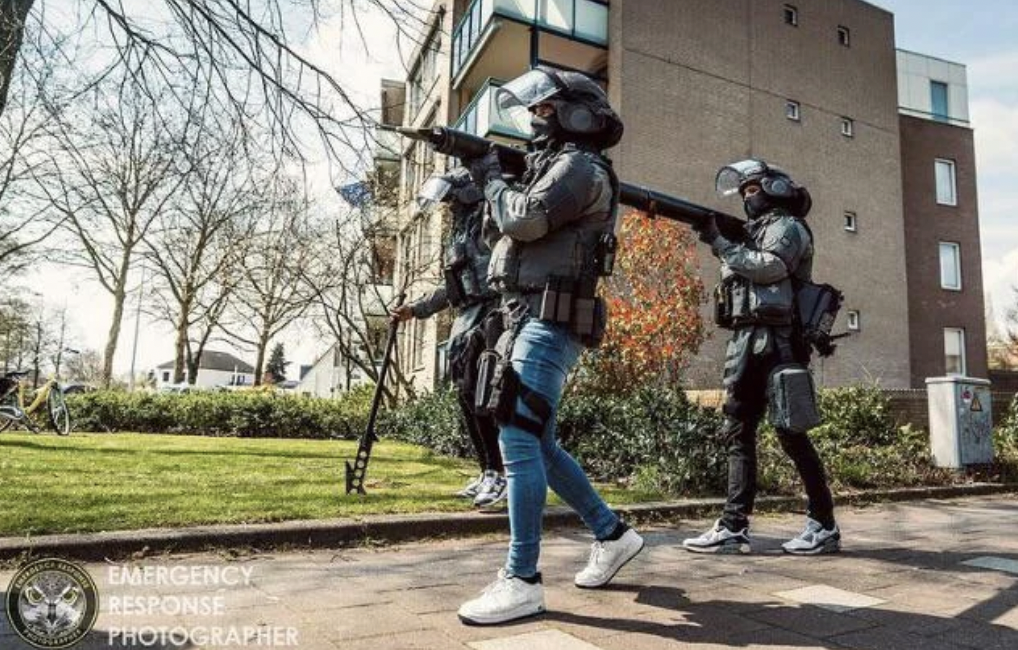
[932, 575]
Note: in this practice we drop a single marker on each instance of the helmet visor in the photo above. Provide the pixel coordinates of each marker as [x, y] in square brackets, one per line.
[731, 178]
[513, 100]
[434, 190]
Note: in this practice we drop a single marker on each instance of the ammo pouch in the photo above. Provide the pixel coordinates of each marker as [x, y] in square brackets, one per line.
[738, 301]
[498, 384]
[792, 396]
[461, 285]
[574, 304]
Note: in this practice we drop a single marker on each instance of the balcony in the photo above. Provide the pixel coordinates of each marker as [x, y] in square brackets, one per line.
[481, 117]
[571, 33]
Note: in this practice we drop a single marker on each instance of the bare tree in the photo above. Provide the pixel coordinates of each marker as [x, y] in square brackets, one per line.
[200, 243]
[270, 294]
[112, 175]
[86, 367]
[24, 223]
[251, 51]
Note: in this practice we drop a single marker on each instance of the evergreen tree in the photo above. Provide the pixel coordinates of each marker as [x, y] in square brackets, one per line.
[276, 368]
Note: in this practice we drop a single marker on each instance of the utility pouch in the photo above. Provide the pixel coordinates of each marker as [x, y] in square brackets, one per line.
[557, 300]
[456, 261]
[793, 403]
[604, 254]
[818, 307]
[771, 304]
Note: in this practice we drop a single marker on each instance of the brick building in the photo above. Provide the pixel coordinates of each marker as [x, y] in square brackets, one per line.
[879, 136]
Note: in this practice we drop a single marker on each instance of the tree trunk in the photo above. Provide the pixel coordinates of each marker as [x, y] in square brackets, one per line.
[180, 354]
[12, 30]
[263, 343]
[114, 335]
[119, 296]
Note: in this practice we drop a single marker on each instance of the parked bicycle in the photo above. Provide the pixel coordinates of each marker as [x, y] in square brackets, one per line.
[48, 399]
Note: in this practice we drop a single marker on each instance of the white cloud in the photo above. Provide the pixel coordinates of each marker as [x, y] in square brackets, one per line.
[996, 134]
[994, 72]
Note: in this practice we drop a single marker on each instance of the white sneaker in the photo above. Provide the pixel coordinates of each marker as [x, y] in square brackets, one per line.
[469, 491]
[492, 492]
[506, 599]
[719, 540]
[814, 540]
[607, 557]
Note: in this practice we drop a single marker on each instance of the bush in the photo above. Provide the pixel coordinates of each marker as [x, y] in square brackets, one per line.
[432, 420]
[245, 414]
[656, 440]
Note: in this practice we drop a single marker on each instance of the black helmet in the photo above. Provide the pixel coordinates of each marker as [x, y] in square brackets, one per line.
[778, 190]
[581, 107]
[455, 185]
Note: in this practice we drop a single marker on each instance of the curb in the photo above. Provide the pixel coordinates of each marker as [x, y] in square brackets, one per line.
[331, 533]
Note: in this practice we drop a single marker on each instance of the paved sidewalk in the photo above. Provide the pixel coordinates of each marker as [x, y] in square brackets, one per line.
[932, 575]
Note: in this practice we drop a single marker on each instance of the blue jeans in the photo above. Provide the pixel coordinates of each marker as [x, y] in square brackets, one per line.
[542, 356]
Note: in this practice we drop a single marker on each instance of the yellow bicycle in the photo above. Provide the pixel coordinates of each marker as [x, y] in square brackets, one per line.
[13, 411]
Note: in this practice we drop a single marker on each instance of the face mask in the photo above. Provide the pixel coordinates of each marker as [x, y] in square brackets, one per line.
[756, 205]
[544, 128]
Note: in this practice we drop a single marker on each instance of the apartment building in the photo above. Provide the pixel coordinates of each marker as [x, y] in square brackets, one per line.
[816, 87]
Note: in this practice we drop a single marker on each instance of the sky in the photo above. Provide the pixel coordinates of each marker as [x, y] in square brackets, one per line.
[981, 34]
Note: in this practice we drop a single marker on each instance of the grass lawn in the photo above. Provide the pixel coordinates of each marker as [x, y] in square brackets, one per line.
[101, 482]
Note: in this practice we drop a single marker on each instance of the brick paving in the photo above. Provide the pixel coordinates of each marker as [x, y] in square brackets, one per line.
[937, 574]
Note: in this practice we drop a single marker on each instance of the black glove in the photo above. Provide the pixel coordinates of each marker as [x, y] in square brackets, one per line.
[486, 168]
[707, 229]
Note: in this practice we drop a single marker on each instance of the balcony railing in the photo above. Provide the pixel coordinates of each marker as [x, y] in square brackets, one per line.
[581, 20]
[481, 117]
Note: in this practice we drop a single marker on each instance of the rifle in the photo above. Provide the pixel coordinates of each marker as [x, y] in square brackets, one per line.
[355, 473]
[467, 146]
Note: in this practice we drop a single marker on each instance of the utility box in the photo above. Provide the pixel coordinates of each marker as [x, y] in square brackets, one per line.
[961, 429]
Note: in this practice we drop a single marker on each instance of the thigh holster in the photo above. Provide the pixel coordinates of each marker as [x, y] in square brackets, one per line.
[499, 387]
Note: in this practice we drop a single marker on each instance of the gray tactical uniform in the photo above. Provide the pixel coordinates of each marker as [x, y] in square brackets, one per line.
[467, 233]
[551, 226]
[779, 248]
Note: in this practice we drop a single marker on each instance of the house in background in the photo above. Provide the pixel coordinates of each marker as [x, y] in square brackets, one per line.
[215, 369]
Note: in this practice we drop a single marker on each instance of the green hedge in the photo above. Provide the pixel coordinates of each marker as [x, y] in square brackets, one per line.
[246, 414]
[657, 440]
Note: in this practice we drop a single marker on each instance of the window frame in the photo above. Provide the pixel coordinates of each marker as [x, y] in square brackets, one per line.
[844, 36]
[791, 15]
[953, 201]
[847, 127]
[851, 221]
[960, 331]
[793, 110]
[853, 320]
[956, 248]
[946, 115]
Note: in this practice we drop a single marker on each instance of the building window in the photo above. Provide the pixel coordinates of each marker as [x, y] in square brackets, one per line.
[853, 320]
[422, 80]
[946, 185]
[417, 345]
[950, 266]
[938, 101]
[847, 127]
[954, 351]
[791, 16]
[166, 375]
[851, 222]
[844, 36]
[792, 110]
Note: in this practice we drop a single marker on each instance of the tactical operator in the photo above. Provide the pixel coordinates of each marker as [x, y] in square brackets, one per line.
[767, 355]
[554, 239]
[465, 289]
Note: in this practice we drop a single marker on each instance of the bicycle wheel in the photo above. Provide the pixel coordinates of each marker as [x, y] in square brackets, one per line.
[6, 420]
[59, 415]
